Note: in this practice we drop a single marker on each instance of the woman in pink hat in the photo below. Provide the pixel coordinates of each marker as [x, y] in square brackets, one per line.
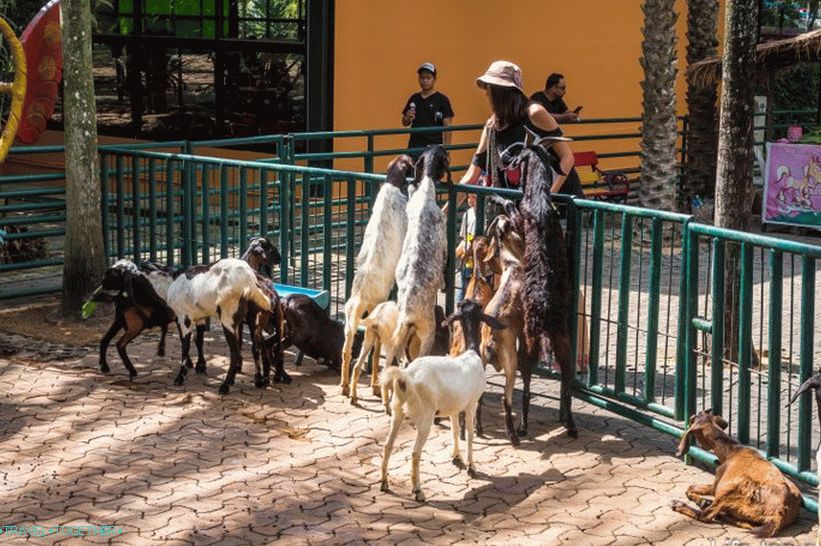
[516, 123]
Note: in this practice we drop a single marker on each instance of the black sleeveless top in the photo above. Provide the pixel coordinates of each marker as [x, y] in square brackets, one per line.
[510, 142]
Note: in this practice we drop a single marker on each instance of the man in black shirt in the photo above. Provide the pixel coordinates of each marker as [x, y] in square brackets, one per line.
[428, 108]
[551, 98]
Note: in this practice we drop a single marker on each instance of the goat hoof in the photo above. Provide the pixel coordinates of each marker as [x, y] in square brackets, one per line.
[189, 364]
[377, 391]
[346, 390]
[514, 440]
[521, 431]
[384, 487]
[132, 374]
[676, 505]
[420, 497]
[282, 378]
[462, 435]
[572, 432]
[161, 351]
[224, 388]
[200, 369]
[261, 382]
[105, 368]
[179, 380]
[354, 400]
[472, 472]
[457, 462]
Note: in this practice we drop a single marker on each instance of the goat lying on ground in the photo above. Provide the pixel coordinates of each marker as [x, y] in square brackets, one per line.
[379, 327]
[420, 271]
[814, 383]
[139, 294]
[438, 384]
[377, 259]
[228, 290]
[749, 491]
[312, 331]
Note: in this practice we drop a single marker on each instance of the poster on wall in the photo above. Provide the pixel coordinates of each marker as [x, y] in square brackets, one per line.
[792, 194]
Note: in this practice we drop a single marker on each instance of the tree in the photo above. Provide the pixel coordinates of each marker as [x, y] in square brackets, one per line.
[735, 144]
[702, 41]
[657, 188]
[84, 255]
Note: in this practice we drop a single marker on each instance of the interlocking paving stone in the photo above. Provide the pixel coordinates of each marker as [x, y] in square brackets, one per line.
[297, 464]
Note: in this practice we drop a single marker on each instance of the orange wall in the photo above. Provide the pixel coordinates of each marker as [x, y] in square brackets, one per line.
[596, 44]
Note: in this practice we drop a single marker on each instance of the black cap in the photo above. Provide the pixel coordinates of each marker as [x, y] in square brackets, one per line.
[428, 67]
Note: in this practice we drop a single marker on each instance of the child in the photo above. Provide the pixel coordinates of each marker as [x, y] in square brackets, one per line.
[464, 252]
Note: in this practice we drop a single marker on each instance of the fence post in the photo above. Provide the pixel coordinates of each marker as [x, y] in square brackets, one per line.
[717, 356]
[805, 367]
[120, 209]
[187, 211]
[104, 203]
[284, 227]
[745, 334]
[595, 297]
[624, 300]
[206, 216]
[686, 370]
[774, 354]
[654, 290]
[243, 206]
[152, 209]
[350, 242]
[135, 207]
[327, 230]
[170, 215]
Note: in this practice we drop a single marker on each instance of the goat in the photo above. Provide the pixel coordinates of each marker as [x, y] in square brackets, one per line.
[377, 259]
[814, 383]
[138, 293]
[420, 271]
[748, 491]
[379, 327]
[228, 290]
[262, 255]
[438, 384]
[499, 348]
[546, 295]
[312, 331]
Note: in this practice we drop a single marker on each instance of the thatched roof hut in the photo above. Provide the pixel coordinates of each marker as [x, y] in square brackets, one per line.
[769, 57]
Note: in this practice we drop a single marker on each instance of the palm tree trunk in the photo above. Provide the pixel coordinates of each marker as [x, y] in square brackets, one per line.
[657, 187]
[735, 144]
[84, 259]
[702, 137]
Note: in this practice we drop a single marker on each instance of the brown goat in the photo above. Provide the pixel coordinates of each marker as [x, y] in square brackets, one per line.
[499, 347]
[749, 491]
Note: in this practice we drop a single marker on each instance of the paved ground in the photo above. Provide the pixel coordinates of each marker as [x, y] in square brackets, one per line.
[298, 464]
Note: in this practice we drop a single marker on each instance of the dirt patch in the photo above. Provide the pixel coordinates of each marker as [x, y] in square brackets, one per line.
[39, 319]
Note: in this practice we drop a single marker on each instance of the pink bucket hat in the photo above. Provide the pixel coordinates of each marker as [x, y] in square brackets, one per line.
[503, 73]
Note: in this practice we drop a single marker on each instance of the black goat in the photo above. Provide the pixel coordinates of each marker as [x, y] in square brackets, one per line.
[309, 328]
[138, 293]
[546, 294]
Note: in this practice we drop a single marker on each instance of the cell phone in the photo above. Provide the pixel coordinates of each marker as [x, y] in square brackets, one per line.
[578, 109]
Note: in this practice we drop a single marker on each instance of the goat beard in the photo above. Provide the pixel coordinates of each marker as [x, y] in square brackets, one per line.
[684, 444]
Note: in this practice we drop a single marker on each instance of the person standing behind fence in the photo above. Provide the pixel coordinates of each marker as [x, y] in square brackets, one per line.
[552, 98]
[464, 253]
[428, 108]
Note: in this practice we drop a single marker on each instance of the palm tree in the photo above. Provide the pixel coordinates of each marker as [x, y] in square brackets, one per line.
[84, 255]
[702, 41]
[657, 188]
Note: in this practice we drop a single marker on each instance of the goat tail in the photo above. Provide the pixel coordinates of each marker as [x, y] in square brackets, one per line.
[396, 380]
[258, 297]
[768, 529]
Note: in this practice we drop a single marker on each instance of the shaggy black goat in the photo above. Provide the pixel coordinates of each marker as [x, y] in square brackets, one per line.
[546, 294]
[138, 293]
[312, 331]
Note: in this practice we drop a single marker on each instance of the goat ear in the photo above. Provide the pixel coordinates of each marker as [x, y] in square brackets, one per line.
[813, 382]
[684, 444]
[276, 258]
[493, 322]
[720, 421]
[449, 320]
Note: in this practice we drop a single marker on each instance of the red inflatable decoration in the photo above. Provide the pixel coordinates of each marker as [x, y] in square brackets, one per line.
[44, 59]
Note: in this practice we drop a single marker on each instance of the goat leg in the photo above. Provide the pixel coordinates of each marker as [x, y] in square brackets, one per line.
[375, 355]
[185, 341]
[561, 350]
[422, 433]
[699, 493]
[469, 424]
[115, 327]
[235, 347]
[510, 378]
[456, 427]
[161, 344]
[132, 332]
[396, 423]
[479, 430]
[200, 353]
[527, 373]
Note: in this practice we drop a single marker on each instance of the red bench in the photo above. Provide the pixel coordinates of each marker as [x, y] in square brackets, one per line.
[598, 184]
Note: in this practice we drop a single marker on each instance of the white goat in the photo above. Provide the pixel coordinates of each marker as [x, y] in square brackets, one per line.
[377, 259]
[379, 326]
[443, 385]
[814, 383]
[226, 290]
[420, 272]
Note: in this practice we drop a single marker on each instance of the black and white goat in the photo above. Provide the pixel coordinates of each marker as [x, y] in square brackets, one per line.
[139, 294]
[228, 290]
[377, 259]
[445, 385]
[421, 267]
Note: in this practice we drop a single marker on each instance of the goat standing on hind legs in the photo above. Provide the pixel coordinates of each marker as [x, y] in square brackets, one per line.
[814, 383]
[748, 491]
[547, 290]
[377, 259]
